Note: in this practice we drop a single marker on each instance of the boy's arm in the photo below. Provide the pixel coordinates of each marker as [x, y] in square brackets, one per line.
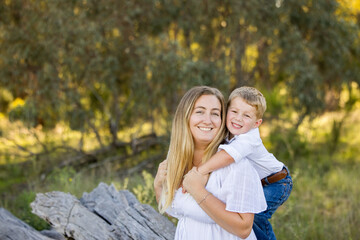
[218, 160]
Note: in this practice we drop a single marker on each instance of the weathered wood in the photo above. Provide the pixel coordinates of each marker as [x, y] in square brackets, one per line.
[121, 208]
[66, 214]
[12, 228]
[105, 213]
[53, 234]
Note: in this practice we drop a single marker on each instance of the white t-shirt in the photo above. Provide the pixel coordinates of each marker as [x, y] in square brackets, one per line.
[250, 145]
[237, 185]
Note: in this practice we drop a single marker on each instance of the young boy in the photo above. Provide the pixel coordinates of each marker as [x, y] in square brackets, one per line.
[246, 107]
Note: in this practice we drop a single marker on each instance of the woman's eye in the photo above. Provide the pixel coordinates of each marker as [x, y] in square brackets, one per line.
[216, 114]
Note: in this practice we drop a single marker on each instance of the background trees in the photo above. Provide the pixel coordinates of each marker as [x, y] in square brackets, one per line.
[101, 68]
[96, 64]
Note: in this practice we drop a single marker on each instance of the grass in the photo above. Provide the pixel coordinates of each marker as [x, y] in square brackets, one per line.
[324, 201]
[323, 204]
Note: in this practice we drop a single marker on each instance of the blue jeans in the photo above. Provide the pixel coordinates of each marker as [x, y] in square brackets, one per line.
[276, 194]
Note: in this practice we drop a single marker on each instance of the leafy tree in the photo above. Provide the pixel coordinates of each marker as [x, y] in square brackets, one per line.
[115, 64]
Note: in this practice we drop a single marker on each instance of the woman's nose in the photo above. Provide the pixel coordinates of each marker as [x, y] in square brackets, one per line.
[207, 118]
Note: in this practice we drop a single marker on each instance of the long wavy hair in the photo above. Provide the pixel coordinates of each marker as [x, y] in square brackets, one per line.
[181, 149]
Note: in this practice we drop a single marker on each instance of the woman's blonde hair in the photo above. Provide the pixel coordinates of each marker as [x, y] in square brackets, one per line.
[181, 149]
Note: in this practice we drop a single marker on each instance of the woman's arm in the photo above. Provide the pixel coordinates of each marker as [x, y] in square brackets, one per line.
[160, 179]
[239, 224]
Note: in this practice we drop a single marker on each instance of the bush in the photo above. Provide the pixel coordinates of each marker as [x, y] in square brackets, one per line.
[21, 209]
[144, 191]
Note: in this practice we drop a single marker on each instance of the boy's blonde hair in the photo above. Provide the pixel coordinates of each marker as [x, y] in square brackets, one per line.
[181, 149]
[251, 96]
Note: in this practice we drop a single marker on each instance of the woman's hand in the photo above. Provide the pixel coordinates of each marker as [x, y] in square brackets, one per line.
[160, 178]
[239, 224]
[194, 182]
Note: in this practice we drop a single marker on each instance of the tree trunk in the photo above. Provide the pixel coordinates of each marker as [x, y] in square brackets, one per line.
[13, 228]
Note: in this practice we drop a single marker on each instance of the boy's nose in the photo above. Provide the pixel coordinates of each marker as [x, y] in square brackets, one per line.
[239, 117]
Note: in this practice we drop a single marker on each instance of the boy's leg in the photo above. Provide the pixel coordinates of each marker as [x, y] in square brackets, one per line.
[260, 230]
[263, 229]
[276, 194]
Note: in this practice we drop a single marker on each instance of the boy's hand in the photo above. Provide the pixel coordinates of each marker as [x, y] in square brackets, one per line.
[194, 181]
[203, 170]
[205, 179]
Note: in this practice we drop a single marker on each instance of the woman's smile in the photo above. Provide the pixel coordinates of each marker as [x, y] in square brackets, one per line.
[206, 129]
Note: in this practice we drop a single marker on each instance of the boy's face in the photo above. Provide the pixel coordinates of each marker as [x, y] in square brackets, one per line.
[241, 117]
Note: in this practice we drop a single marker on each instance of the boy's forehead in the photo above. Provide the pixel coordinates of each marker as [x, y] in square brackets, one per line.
[240, 101]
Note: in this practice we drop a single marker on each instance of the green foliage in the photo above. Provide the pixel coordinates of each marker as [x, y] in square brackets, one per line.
[20, 207]
[74, 182]
[10, 175]
[130, 63]
[334, 136]
[321, 206]
[77, 119]
[287, 144]
[144, 192]
[26, 113]
[275, 102]
[5, 99]
[62, 177]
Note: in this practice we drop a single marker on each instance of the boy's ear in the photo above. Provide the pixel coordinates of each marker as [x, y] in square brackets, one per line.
[258, 123]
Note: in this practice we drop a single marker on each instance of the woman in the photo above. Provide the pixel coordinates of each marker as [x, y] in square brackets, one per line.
[225, 208]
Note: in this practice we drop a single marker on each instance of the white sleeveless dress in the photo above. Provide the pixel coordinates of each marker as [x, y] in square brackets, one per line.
[237, 185]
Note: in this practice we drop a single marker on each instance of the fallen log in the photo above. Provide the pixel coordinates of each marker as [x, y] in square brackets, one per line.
[105, 213]
[13, 228]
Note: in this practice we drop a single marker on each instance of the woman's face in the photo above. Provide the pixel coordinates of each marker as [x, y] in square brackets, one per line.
[205, 120]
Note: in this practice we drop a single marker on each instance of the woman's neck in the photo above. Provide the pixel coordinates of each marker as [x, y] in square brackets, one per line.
[198, 155]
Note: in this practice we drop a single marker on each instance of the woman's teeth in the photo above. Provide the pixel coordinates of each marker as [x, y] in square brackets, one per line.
[205, 128]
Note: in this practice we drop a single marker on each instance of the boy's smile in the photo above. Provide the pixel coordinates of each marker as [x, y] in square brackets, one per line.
[241, 117]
